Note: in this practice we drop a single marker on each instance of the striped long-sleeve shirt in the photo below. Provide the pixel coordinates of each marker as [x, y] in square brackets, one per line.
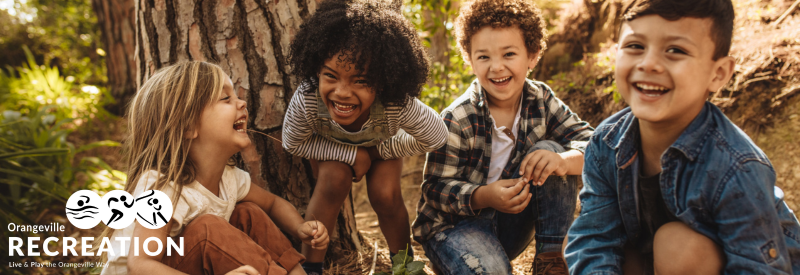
[423, 130]
[454, 171]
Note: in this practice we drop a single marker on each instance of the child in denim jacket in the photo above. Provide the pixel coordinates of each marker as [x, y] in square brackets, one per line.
[498, 178]
[671, 186]
[355, 113]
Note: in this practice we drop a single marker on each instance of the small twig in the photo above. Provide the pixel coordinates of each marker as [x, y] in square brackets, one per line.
[273, 138]
[787, 12]
[374, 257]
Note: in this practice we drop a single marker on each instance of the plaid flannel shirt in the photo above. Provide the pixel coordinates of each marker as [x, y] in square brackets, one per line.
[454, 171]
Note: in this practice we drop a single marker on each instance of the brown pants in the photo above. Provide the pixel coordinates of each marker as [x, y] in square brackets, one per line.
[214, 246]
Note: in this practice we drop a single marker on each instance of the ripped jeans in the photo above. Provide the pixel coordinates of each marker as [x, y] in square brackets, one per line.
[486, 243]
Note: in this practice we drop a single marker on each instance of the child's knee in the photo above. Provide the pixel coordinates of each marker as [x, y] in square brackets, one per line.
[677, 249]
[247, 211]
[246, 208]
[337, 176]
[386, 201]
[203, 227]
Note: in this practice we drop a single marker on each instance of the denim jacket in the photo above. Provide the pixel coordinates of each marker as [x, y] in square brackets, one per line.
[714, 179]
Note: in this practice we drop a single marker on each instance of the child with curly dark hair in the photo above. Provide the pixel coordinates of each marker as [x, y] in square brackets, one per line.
[361, 66]
[513, 157]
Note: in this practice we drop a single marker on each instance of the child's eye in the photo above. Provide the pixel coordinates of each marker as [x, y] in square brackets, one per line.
[510, 54]
[482, 57]
[329, 75]
[634, 46]
[361, 81]
[676, 50]
[226, 98]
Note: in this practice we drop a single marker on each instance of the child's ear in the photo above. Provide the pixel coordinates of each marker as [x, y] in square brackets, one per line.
[722, 73]
[533, 59]
[191, 134]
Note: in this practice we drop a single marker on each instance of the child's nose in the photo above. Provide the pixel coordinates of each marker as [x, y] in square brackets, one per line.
[650, 63]
[242, 104]
[343, 91]
[496, 66]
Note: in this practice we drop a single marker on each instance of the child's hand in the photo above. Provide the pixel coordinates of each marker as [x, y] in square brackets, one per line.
[363, 163]
[540, 164]
[313, 233]
[243, 270]
[509, 195]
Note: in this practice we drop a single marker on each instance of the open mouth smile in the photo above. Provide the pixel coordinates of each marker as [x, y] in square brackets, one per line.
[343, 108]
[500, 81]
[651, 90]
[240, 125]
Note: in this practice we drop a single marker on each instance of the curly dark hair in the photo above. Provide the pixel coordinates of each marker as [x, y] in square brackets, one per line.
[501, 14]
[370, 34]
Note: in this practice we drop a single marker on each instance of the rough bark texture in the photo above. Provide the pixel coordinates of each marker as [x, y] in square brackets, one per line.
[250, 40]
[116, 19]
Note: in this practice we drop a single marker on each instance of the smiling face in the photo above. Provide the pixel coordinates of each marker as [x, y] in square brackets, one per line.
[345, 92]
[664, 69]
[501, 61]
[224, 122]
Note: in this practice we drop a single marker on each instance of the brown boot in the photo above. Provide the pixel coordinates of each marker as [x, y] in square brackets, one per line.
[549, 263]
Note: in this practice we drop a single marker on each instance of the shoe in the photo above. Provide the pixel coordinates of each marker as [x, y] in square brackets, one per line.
[549, 263]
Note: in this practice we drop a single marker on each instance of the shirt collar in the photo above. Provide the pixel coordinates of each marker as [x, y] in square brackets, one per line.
[624, 136]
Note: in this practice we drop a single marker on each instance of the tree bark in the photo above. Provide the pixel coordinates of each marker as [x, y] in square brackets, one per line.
[116, 19]
[250, 40]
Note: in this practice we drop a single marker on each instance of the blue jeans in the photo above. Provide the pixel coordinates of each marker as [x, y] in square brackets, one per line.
[486, 243]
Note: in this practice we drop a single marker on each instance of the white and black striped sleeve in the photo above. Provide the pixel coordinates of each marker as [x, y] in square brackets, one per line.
[299, 137]
[424, 131]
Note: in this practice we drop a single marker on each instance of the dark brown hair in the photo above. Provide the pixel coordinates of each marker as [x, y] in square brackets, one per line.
[719, 11]
[501, 14]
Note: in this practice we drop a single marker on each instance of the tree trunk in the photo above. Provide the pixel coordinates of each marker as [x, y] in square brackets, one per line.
[116, 19]
[250, 40]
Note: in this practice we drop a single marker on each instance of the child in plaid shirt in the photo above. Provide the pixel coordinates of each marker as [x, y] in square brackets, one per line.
[513, 155]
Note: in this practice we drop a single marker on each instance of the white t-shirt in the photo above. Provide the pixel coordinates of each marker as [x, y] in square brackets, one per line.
[195, 200]
[502, 146]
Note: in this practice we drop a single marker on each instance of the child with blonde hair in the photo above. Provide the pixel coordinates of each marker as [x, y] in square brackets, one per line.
[185, 124]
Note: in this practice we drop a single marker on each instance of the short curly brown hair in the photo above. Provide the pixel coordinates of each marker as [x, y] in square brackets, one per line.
[477, 14]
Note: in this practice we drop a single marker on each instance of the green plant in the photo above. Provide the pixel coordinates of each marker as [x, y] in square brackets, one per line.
[402, 264]
[36, 164]
[39, 85]
[449, 75]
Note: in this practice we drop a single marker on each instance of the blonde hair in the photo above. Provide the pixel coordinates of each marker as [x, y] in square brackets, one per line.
[161, 115]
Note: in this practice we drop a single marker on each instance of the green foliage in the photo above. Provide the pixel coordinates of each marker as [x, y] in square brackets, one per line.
[38, 166]
[64, 32]
[39, 85]
[36, 163]
[450, 75]
[402, 264]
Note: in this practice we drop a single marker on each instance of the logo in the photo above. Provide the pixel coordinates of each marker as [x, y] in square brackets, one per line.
[83, 209]
[118, 209]
[153, 209]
